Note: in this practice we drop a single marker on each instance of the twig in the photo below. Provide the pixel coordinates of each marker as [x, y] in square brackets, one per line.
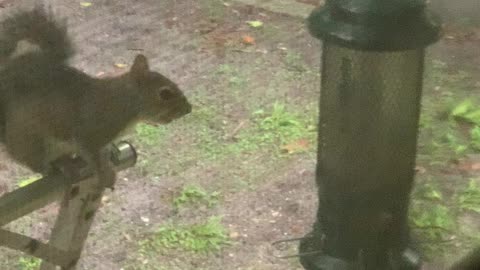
[235, 130]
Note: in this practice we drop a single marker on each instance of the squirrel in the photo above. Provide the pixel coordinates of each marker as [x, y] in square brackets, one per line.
[46, 104]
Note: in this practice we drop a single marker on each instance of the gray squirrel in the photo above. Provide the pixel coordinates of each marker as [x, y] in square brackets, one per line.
[46, 104]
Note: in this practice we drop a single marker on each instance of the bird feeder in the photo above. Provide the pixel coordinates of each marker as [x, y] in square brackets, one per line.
[372, 71]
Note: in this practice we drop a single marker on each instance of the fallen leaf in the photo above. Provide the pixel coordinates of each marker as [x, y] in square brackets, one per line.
[248, 40]
[281, 47]
[85, 4]
[275, 214]
[127, 237]
[470, 166]
[296, 229]
[434, 194]
[420, 169]
[296, 146]
[255, 24]
[120, 65]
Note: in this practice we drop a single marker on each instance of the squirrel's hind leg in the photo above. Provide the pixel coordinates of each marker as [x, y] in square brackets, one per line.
[27, 148]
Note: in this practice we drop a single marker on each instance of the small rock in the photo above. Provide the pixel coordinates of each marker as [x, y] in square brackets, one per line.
[264, 51]
[145, 219]
[127, 237]
[234, 235]
[105, 199]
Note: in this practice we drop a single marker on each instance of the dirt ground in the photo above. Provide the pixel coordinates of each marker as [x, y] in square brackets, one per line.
[230, 71]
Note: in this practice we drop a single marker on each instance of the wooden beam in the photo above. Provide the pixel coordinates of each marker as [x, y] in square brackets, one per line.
[36, 195]
[77, 213]
[81, 200]
[34, 248]
[25, 200]
[74, 221]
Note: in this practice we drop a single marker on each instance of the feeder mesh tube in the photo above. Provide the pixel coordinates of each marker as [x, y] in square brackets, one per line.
[369, 112]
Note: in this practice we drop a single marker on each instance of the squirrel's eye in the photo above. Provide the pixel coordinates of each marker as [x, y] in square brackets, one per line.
[166, 93]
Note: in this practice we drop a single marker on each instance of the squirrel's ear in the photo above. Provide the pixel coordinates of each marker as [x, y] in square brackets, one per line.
[140, 65]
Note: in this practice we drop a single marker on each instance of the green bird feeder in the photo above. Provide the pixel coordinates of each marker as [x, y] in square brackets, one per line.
[372, 74]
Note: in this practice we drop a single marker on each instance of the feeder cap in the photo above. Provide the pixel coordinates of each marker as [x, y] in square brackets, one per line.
[376, 25]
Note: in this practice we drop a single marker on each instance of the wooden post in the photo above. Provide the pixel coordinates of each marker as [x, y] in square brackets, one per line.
[81, 200]
[74, 221]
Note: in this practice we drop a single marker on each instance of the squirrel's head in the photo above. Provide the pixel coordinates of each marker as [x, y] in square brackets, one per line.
[163, 101]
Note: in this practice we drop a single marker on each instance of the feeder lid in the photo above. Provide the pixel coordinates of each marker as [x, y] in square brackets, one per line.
[377, 25]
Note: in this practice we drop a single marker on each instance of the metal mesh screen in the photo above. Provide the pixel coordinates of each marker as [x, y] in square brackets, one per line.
[368, 117]
[369, 112]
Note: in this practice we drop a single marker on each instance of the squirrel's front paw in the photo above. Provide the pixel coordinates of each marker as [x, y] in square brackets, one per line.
[63, 165]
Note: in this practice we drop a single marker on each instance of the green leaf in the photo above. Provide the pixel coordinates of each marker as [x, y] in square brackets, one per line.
[28, 181]
[434, 194]
[259, 112]
[462, 108]
[467, 111]
[470, 198]
[255, 24]
[473, 117]
[85, 4]
[460, 149]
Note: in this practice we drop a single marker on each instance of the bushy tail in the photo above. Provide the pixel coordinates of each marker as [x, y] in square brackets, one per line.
[39, 28]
